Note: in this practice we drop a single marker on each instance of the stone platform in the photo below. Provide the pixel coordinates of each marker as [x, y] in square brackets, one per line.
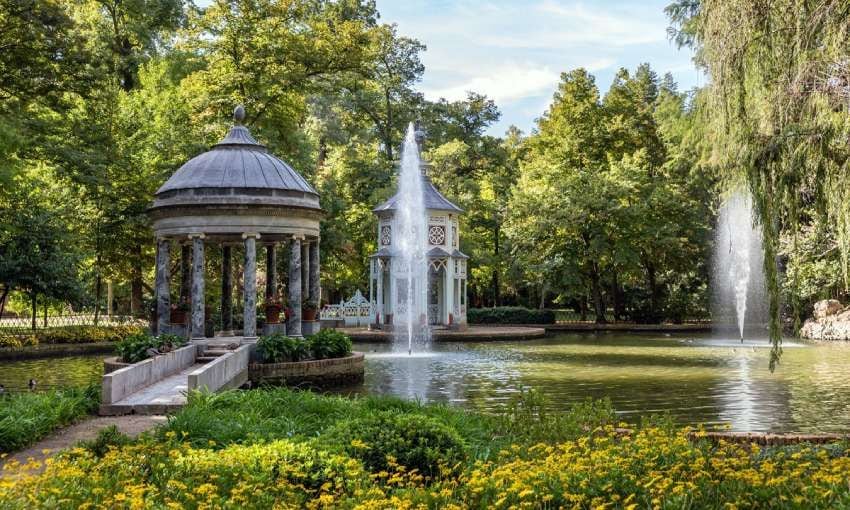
[471, 334]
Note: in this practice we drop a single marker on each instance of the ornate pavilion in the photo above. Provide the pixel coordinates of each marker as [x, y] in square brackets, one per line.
[237, 196]
[447, 265]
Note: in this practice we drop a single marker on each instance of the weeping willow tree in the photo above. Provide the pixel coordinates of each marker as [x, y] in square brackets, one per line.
[778, 98]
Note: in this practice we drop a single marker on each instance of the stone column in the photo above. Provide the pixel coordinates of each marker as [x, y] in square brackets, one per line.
[448, 290]
[294, 326]
[315, 283]
[185, 272]
[226, 289]
[380, 291]
[163, 294]
[197, 285]
[249, 329]
[305, 269]
[271, 271]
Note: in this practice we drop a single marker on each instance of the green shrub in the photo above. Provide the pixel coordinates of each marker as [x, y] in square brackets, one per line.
[330, 343]
[18, 341]
[107, 438]
[278, 348]
[509, 315]
[135, 347]
[86, 334]
[28, 417]
[383, 439]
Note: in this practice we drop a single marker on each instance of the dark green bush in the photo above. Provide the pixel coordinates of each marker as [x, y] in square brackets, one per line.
[414, 441]
[106, 438]
[330, 343]
[86, 334]
[278, 348]
[509, 315]
[135, 347]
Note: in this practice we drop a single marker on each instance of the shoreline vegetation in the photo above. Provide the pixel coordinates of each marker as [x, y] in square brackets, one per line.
[28, 417]
[303, 450]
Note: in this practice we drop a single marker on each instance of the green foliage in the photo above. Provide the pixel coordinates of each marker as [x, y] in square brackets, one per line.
[329, 343]
[279, 348]
[106, 439]
[384, 440]
[86, 334]
[135, 347]
[509, 315]
[28, 417]
[776, 114]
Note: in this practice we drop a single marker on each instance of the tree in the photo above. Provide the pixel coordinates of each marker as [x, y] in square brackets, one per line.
[779, 96]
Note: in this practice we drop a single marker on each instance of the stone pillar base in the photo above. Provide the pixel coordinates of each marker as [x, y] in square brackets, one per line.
[271, 329]
[310, 327]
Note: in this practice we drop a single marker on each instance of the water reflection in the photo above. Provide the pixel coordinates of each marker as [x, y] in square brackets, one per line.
[695, 379]
[51, 372]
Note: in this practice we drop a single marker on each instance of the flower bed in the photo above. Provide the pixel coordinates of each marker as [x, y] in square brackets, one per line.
[71, 335]
[279, 448]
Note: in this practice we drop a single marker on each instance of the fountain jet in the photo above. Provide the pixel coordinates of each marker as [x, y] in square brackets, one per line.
[738, 283]
[411, 226]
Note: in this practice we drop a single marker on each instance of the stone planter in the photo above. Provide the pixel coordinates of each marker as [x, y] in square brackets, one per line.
[112, 364]
[318, 374]
[308, 314]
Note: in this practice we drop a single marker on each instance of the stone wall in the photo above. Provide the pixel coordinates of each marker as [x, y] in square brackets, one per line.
[128, 380]
[310, 374]
[831, 321]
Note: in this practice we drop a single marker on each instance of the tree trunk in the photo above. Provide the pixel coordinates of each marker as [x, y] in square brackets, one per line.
[185, 273]
[98, 290]
[495, 283]
[45, 313]
[323, 153]
[3, 297]
[388, 131]
[34, 298]
[617, 297]
[136, 283]
[542, 296]
[651, 281]
[596, 293]
[583, 308]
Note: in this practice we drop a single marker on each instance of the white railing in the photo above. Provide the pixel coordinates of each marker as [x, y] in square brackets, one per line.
[355, 312]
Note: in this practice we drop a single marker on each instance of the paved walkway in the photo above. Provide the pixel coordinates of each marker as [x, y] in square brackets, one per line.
[132, 425]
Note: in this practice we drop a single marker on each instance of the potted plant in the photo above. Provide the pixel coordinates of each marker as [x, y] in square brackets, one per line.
[179, 312]
[273, 308]
[308, 311]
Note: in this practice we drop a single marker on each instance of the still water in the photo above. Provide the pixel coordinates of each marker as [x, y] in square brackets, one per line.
[696, 379]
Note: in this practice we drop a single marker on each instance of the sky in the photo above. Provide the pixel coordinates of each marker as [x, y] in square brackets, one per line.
[514, 51]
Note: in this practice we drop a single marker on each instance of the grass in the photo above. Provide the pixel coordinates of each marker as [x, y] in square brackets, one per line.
[275, 448]
[27, 417]
[268, 414]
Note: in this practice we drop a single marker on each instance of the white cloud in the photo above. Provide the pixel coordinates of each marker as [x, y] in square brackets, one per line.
[515, 50]
[505, 83]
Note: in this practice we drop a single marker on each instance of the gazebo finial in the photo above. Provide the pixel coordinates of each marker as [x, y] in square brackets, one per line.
[239, 114]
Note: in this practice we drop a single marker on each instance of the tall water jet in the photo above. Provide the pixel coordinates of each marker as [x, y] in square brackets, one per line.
[738, 296]
[411, 227]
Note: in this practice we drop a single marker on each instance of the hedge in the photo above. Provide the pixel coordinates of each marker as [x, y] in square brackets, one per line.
[509, 315]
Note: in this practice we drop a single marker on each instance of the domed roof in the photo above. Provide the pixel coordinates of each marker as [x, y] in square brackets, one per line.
[238, 162]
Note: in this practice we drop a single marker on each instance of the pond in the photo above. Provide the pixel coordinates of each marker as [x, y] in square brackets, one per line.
[697, 379]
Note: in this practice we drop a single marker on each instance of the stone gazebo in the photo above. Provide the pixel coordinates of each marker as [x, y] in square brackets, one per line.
[237, 194]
